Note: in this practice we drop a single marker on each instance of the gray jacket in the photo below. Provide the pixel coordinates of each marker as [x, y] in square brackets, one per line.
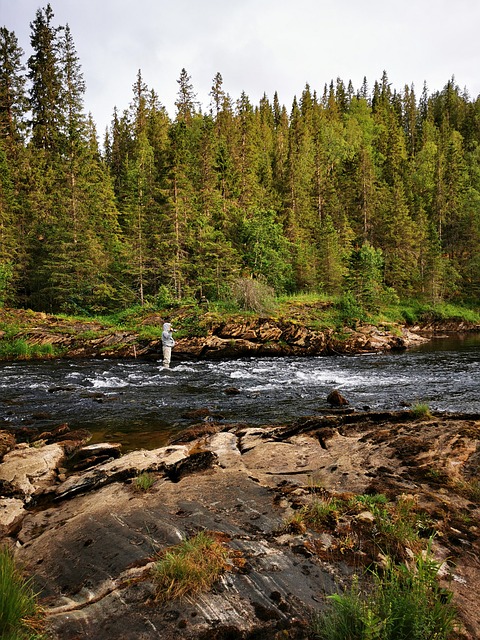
[167, 338]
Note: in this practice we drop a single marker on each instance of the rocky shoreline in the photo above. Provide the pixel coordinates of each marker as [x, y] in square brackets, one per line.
[90, 539]
[234, 338]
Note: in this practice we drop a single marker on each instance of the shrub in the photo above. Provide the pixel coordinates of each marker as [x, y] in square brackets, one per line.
[190, 567]
[253, 295]
[19, 612]
[350, 312]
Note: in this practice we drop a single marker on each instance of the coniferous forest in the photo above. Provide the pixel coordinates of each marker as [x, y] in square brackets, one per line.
[345, 189]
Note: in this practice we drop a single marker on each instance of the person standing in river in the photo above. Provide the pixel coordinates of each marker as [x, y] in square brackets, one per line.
[167, 343]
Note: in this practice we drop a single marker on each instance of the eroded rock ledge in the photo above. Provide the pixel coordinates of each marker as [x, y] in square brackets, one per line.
[89, 538]
[235, 338]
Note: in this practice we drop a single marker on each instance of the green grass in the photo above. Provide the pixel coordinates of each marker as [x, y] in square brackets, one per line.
[322, 512]
[190, 567]
[20, 615]
[403, 604]
[421, 410]
[396, 525]
[144, 481]
[414, 312]
[20, 349]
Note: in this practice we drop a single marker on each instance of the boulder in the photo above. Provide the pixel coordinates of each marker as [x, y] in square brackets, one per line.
[12, 513]
[335, 399]
[32, 469]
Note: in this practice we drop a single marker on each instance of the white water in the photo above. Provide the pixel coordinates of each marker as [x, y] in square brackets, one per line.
[140, 404]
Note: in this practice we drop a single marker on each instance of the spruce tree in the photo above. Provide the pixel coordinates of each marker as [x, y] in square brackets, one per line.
[45, 82]
[13, 101]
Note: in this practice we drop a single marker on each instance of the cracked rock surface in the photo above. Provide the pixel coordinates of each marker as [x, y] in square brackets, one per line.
[90, 539]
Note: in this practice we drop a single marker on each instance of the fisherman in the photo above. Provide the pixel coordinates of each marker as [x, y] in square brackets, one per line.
[167, 343]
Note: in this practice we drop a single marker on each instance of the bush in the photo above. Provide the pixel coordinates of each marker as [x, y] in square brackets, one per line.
[253, 295]
[350, 312]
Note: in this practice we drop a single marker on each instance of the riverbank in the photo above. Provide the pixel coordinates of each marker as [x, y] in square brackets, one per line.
[25, 334]
[90, 535]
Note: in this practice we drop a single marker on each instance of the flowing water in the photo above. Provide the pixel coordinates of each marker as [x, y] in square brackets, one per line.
[140, 404]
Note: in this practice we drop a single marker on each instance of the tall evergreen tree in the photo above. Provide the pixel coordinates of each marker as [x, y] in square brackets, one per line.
[13, 101]
[45, 82]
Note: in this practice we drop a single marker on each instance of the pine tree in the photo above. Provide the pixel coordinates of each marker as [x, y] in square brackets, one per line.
[13, 101]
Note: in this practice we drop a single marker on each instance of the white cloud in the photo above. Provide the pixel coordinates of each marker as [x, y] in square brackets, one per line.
[260, 46]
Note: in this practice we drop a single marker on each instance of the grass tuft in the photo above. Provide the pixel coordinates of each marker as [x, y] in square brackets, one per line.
[403, 603]
[19, 612]
[190, 567]
[421, 410]
[144, 481]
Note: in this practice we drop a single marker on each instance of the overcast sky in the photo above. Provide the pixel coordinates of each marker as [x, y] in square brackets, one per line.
[259, 46]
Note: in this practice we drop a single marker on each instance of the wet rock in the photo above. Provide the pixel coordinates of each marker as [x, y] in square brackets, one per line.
[196, 432]
[232, 391]
[197, 414]
[52, 435]
[336, 399]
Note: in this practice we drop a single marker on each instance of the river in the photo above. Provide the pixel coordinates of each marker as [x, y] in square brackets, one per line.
[141, 405]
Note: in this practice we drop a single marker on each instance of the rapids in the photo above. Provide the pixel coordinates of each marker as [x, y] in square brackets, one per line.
[140, 404]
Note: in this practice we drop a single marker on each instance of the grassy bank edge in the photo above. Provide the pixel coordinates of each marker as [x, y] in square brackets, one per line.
[315, 312]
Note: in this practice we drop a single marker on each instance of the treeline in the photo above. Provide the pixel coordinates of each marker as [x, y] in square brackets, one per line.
[370, 192]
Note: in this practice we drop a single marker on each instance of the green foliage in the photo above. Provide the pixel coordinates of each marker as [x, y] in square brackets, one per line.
[398, 526]
[144, 481]
[421, 410]
[266, 250]
[6, 273]
[22, 350]
[19, 612]
[403, 603]
[365, 277]
[350, 311]
[186, 206]
[190, 567]
[414, 312]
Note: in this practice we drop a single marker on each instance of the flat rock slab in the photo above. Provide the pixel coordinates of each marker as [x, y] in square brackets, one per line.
[92, 557]
[91, 549]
